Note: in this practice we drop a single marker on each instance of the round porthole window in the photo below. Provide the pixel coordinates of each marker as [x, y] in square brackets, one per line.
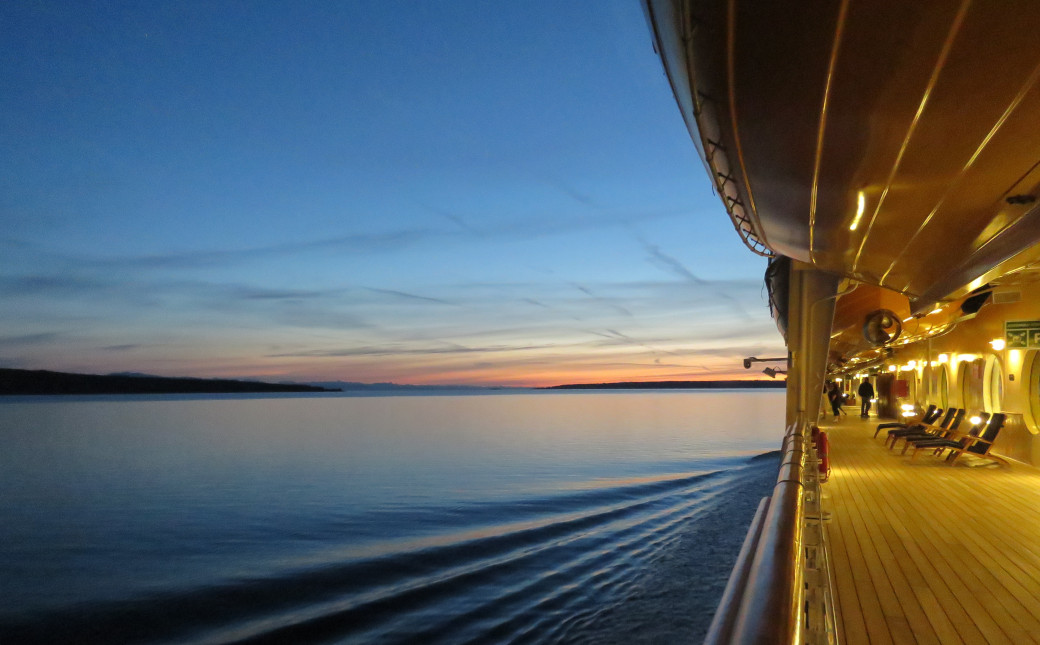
[994, 389]
[1033, 363]
[971, 382]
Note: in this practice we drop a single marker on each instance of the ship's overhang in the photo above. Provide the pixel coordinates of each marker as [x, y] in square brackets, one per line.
[893, 143]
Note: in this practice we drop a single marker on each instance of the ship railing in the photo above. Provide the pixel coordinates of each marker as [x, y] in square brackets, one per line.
[781, 588]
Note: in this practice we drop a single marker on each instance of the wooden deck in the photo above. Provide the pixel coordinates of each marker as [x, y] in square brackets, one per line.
[927, 553]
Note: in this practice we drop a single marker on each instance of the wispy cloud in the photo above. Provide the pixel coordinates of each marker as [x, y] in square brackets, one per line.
[668, 263]
[677, 268]
[567, 189]
[29, 339]
[605, 302]
[357, 243]
[409, 351]
[260, 293]
[42, 284]
[410, 296]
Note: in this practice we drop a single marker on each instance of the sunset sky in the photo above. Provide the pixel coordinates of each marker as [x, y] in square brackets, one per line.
[427, 192]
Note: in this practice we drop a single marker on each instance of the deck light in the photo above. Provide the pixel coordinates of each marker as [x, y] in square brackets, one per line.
[911, 364]
[943, 358]
[861, 204]
[997, 344]
[837, 380]
[891, 368]
[975, 420]
[907, 406]
[965, 357]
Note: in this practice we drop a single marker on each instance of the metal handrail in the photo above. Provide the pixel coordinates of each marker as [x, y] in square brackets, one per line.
[768, 574]
[721, 629]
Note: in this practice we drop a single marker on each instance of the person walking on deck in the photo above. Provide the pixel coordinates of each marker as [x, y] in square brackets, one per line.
[835, 398]
[866, 393]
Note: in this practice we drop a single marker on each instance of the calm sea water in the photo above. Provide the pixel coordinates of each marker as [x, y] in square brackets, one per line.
[536, 517]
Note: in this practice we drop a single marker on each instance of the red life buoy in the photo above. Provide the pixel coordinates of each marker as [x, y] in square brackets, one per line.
[823, 450]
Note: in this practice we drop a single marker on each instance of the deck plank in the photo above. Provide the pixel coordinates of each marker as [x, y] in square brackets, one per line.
[928, 553]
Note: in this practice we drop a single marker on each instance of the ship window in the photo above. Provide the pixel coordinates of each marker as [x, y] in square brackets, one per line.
[971, 381]
[1034, 391]
[944, 388]
[994, 392]
[911, 387]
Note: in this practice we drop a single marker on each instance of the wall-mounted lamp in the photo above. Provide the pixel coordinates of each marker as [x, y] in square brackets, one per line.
[754, 359]
[997, 344]
[772, 372]
[944, 358]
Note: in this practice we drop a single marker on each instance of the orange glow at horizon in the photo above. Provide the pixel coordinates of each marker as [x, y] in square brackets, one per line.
[506, 376]
[519, 371]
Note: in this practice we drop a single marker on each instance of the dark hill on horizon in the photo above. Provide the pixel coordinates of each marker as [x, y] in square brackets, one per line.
[14, 381]
[672, 385]
[352, 386]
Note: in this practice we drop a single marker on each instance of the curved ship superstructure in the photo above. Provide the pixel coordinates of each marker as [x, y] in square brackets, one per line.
[886, 157]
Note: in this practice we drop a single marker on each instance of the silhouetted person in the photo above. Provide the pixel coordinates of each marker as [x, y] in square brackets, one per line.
[835, 397]
[866, 393]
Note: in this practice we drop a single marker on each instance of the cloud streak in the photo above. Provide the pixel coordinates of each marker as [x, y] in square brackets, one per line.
[670, 264]
[409, 351]
[410, 296]
[29, 339]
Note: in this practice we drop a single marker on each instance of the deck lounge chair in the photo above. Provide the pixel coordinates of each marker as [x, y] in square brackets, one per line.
[950, 421]
[952, 439]
[929, 416]
[977, 445]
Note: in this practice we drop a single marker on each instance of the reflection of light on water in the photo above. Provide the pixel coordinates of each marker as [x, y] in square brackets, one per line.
[606, 483]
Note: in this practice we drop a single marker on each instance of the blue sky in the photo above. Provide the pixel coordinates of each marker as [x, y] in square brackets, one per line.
[428, 192]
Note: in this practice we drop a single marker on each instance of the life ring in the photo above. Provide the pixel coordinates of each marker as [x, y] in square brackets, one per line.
[823, 451]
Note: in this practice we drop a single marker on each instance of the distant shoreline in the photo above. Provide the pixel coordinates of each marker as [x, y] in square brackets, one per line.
[34, 382]
[17, 382]
[672, 385]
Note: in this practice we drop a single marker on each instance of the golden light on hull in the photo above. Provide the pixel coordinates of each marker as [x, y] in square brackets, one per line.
[861, 204]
